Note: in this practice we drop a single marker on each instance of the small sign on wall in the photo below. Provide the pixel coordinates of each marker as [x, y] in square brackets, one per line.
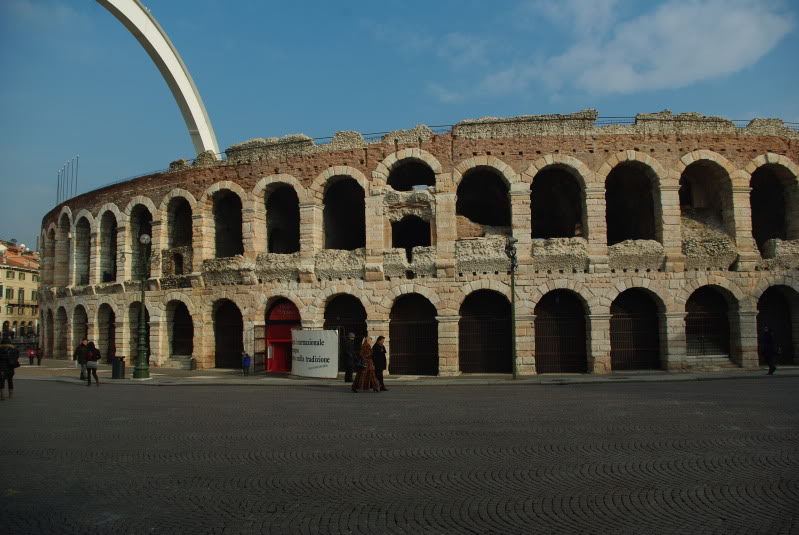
[314, 353]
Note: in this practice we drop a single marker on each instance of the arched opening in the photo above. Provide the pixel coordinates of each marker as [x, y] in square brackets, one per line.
[14, 330]
[634, 332]
[83, 251]
[141, 223]
[409, 232]
[777, 310]
[560, 342]
[80, 324]
[108, 247]
[484, 341]
[282, 220]
[344, 215]
[707, 323]
[6, 328]
[133, 321]
[178, 217]
[346, 314]
[181, 329]
[556, 199]
[177, 264]
[62, 252]
[50, 247]
[227, 224]
[107, 332]
[775, 212]
[631, 197]
[280, 319]
[228, 334]
[49, 334]
[483, 198]
[60, 342]
[409, 173]
[413, 331]
[706, 199]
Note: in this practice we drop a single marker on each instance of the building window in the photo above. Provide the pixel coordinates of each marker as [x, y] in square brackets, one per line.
[22, 276]
[9, 310]
[9, 274]
[9, 293]
[21, 295]
[1, 291]
[35, 278]
[34, 295]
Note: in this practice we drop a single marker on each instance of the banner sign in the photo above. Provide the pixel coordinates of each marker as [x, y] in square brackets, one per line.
[314, 353]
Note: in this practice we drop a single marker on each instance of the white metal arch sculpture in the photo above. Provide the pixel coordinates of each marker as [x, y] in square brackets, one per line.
[140, 22]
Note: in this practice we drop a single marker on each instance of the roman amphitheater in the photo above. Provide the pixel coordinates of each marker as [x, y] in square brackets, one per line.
[664, 242]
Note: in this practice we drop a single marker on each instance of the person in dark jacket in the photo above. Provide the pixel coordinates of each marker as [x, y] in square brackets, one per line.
[9, 359]
[92, 360]
[349, 357]
[769, 350]
[80, 356]
[379, 357]
[365, 377]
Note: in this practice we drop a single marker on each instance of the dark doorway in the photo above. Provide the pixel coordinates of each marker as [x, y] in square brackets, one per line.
[80, 324]
[228, 335]
[141, 223]
[413, 331]
[182, 327]
[179, 222]
[411, 173]
[344, 215]
[772, 211]
[227, 224]
[133, 320]
[108, 247]
[283, 220]
[83, 251]
[409, 232]
[483, 198]
[774, 311]
[107, 339]
[634, 332]
[706, 196]
[177, 263]
[484, 333]
[50, 333]
[630, 199]
[346, 314]
[281, 318]
[707, 323]
[557, 205]
[560, 342]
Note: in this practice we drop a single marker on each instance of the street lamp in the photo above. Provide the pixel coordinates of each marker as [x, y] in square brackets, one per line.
[510, 251]
[142, 369]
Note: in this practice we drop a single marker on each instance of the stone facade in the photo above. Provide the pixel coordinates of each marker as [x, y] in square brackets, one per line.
[91, 264]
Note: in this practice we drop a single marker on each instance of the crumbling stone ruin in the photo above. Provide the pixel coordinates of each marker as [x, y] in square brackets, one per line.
[667, 242]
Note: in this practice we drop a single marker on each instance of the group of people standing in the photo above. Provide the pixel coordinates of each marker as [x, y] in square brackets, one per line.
[88, 356]
[368, 366]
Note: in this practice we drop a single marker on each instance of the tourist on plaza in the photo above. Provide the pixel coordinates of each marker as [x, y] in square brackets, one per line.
[379, 357]
[31, 355]
[769, 350]
[80, 356]
[365, 376]
[246, 361]
[349, 357]
[9, 359]
[92, 360]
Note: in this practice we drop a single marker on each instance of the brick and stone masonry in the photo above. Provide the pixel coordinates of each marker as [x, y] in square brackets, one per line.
[669, 242]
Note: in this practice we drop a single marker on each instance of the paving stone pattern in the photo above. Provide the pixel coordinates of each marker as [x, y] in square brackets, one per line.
[699, 457]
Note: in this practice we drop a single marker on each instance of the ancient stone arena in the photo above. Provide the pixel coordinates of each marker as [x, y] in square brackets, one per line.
[665, 242]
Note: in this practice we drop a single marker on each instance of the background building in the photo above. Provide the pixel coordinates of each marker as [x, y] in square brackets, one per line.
[664, 241]
[19, 287]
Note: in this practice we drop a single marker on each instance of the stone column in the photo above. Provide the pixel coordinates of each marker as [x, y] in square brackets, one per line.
[375, 228]
[249, 222]
[525, 344]
[748, 254]
[258, 239]
[521, 219]
[202, 332]
[598, 344]
[158, 245]
[448, 346]
[94, 255]
[597, 230]
[122, 334]
[125, 267]
[672, 341]
[446, 234]
[743, 343]
[311, 239]
[672, 230]
[158, 336]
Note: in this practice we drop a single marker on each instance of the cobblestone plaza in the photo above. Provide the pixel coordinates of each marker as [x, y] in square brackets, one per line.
[698, 457]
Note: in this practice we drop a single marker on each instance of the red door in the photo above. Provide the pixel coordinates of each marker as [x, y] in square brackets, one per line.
[281, 318]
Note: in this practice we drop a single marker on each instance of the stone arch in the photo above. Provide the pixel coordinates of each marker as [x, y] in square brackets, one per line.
[83, 251]
[731, 292]
[282, 178]
[176, 192]
[316, 191]
[206, 210]
[88, 215]
[699, 197]
[278, 227]
[328, 294]
[105, 300]
[561, 332]
[298, 303]
[205, 202]
[147, 202]
[772, 158]
[774, 280]
[592, 303]
[411, 288]
[659, 171]
[227, 316]
[503, 170]
[208, 306]
[661, 296]
[63, 257]
[383, 169]
[484, 332]
[703, 154]
[566, 215]
[68, 211]
[576, 167]
[114, 209]
[182, 297]
[770, 218]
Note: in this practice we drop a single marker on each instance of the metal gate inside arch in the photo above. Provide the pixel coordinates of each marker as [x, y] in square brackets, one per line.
[560, 345]
[229, 335]
[484, 333]
[634, 336]
[413, 334]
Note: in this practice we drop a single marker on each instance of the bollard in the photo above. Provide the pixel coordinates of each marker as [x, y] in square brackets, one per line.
[118, 368]
[193, 364]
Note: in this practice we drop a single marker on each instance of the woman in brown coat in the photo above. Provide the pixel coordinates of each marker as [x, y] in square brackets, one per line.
[365, 377]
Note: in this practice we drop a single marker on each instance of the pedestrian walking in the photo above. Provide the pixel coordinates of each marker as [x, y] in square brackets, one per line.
[80, 357]
[39, 356]
[31, 355]
[365, 376]
[769, 350]
[379, 357]
[9, 360]
[349, 357]
[92, 361]
[246, 361]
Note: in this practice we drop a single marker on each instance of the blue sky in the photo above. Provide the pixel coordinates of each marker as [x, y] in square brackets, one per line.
[76, 82]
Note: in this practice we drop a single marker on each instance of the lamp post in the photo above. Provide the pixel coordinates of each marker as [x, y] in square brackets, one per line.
[510, 251]
[142, 369]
